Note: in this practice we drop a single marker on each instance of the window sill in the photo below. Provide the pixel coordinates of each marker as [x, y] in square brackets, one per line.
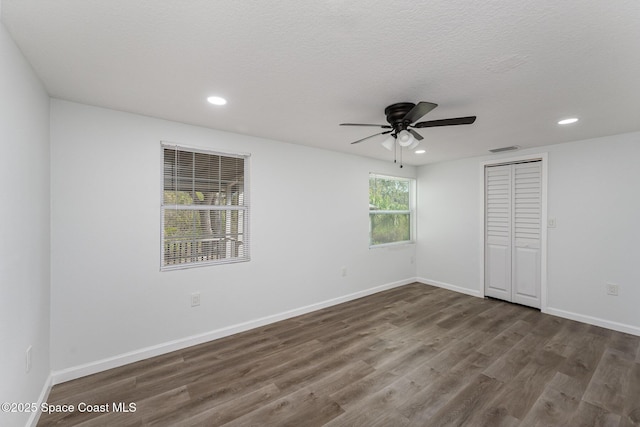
[393, 245]
[185, 266]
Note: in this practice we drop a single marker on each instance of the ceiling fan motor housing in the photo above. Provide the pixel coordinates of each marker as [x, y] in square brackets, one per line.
[395, 114]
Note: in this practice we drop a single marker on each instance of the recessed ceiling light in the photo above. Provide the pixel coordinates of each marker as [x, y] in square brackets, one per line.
[568, 121]
[216, 100]
[420, 151]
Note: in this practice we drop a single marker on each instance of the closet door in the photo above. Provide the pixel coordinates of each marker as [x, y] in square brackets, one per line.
[498, 232]
[513, 212]
[527, 201]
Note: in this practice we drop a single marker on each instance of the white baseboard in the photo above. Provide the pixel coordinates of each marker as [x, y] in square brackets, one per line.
[616, 326]
[72, 373]
[44, 394]
[620, 327]
[460, 289]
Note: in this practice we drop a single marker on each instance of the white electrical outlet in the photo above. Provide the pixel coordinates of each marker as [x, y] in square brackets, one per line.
[28, 359]
[551, 223]
[195, 299]
[344, 271]
[612, 289]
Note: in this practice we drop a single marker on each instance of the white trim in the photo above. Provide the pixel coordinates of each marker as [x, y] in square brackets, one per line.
[455, 288]
[393, 244]
[74, 372]
[616, 326]
[246, 207]
[44, 395]
[413, 201]
[204, 150]
[408, 211]
[544, 157]
[208, 208]
[543, 242]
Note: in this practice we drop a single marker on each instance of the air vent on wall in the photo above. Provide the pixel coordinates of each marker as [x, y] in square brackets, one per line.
[500, 150]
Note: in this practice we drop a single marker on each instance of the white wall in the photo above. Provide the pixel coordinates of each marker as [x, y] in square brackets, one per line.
[24, 234]
[448, 208]
[309, 219]
[594, 195]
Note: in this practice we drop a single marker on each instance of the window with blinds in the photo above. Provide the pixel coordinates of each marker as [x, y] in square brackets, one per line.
[390, 209]
[205, 208]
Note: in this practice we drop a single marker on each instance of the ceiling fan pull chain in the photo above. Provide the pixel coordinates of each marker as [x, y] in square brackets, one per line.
[395, 151]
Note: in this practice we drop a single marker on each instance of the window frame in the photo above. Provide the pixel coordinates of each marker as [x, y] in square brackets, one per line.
[411, 211]
[245, 207]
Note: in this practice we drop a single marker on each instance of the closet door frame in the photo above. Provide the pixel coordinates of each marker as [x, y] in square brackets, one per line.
[543, 157]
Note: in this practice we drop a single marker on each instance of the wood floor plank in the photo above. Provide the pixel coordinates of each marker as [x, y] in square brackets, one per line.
[429, 400]
[161, 406]
[340, 379]
[493, 416]
[631, 413]
[507, 366]
[582, 361]
[565, 384]
[505, 340]
[351, 395]
[404, 359]
[234, 380]
[371, 418]
[423, 374]
[62, 393]
[609, 382]
[521, 393]
[471, 399]
[563, 342]
[627, 344]
[217, 415]
[302, 407]
[412, 355]
[553, 408]
[453, 354]
[463, 314]
[588, 415]
[379, 408]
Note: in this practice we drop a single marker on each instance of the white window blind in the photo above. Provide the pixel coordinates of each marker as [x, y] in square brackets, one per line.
[205, 208]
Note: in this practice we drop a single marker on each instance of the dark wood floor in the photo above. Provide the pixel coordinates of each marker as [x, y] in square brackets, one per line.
[411, 356]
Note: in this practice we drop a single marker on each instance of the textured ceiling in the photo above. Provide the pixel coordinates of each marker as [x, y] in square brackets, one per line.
[292, 71]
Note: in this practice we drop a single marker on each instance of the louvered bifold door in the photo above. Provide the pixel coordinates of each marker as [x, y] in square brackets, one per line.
[527, 214]
[498, 232]
[513, 212]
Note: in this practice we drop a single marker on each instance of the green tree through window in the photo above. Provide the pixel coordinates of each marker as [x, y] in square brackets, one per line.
[204, 208]
[390, 201]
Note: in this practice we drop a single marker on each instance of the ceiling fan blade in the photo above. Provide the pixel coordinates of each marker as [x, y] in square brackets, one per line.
[363, 139]
[420, 109]
[446, 122]
[365, 124]
[416, 135]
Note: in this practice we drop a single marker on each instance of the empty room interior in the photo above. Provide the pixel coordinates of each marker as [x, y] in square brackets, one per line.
[336, 213]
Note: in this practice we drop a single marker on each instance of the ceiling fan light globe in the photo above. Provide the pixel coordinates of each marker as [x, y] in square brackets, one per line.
[405, 139]
[389, 142]
[414, 144]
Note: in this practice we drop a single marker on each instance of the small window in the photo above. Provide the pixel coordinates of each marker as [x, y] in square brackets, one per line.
[205, 208]
[390, 210]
